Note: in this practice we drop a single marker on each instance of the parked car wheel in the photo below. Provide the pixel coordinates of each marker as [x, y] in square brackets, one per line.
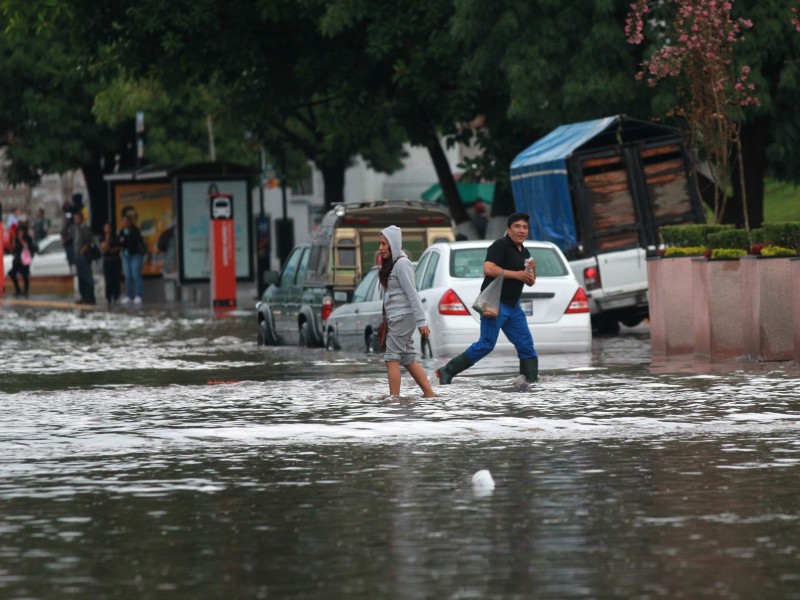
[631, 320]
[266, 336]
[372, 342]
[331, 343]
[305, 336]
[605, 325]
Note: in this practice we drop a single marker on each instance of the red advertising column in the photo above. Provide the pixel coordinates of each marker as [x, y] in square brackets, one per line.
[223, 252]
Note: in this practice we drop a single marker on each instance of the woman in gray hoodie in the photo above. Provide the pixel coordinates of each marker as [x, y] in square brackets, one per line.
[403, 312]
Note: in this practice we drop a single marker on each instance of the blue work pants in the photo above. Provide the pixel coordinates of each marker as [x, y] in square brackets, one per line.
[514, 324]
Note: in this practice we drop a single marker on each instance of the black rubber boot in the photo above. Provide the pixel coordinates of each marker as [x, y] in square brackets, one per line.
[451, 369]
[530, 368]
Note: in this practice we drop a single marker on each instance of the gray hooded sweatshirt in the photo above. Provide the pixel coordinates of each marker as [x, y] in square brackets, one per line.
[400, 297]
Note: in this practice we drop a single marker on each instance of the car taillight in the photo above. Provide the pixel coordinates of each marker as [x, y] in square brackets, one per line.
[327, 307]
[579, 303]
[451, 304]
[591, 278]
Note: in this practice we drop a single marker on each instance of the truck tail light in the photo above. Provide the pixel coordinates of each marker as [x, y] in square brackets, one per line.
[327, 307]
[451, 304]
[591, 278]
[578, 304]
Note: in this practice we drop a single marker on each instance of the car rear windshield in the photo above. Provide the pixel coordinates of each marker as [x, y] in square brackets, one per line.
[468, 262]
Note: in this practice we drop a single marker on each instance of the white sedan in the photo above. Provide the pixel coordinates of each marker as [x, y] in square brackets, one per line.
[354, 326]
[50, 259]
[449, 277]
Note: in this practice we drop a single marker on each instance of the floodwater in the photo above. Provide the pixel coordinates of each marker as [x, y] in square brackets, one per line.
[155, 454]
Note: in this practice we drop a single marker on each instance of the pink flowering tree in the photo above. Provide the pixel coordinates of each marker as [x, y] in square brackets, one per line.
[693, 43]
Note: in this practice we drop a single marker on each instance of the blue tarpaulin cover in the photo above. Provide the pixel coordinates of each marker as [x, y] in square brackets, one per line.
[540, 182]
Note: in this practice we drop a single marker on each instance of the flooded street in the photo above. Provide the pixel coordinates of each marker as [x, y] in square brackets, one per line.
[156, 454]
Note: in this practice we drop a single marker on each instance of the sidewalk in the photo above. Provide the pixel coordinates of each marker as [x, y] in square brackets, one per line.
[153, 298]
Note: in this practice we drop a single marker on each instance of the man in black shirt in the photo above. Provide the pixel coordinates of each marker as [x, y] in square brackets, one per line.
[507, 257]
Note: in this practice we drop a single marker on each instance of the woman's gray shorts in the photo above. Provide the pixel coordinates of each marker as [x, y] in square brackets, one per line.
[399, 345]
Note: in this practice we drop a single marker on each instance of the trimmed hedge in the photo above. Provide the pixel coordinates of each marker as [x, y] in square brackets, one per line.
[729, 238]
[785, 234]
[688, 236]
[726, 242]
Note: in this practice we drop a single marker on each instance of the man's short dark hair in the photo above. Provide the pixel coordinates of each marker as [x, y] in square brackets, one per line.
[518, 217]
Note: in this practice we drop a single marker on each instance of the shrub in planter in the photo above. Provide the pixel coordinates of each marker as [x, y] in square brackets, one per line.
[785, 234]
[772, 251]
[689, 236]
[757, 236]
[730, 238]
[727, 253]
[673, 251]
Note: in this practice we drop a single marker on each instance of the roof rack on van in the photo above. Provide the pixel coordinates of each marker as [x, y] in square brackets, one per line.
[341, 208]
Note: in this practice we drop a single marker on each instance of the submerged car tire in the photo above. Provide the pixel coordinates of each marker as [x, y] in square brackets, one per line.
[331, 342]
[304, 339]
[631, 321]
[266, 337]
[371, 342]
[606, 325]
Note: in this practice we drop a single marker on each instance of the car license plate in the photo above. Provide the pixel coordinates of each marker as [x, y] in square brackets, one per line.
[527, 307]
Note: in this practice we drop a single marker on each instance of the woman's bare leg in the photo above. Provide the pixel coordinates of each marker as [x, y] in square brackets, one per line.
[393, 370]
[418, 373]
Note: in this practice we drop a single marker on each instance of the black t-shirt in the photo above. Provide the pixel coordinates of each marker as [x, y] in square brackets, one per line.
[505, 254]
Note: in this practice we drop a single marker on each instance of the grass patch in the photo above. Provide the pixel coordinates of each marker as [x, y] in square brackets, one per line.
[781, 201]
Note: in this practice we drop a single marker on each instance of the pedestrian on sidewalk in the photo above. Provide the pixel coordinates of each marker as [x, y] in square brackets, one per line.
[133, 252]
[506, 257]
[22, 252]
[83, 260]
[112, 264]
[403, 312]
[41, 226]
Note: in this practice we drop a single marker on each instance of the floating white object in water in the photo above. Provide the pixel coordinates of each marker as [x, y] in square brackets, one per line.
[482, 482]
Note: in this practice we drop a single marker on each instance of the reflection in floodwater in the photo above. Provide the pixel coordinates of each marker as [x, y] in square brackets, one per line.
[147, 455]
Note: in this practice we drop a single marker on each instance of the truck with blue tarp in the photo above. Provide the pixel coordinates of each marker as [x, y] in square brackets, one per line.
[601, 190]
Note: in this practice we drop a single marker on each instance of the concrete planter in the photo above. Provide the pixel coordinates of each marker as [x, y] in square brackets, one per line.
[670, 292]
[717, 309]
[766, 295]
[794, 268]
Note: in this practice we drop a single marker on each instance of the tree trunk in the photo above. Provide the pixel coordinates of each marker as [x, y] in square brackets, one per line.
[333, 180]
[754, 157]
[98, 194]
[503, 203]
[447, 181]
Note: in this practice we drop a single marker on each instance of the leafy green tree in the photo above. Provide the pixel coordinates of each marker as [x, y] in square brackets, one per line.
[541, 64]
[46, 113]
[68, 105]
[696, 47]
[770, 132]
[416, 65]
[294, 88]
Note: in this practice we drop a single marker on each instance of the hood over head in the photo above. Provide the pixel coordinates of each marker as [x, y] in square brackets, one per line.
[394, 236]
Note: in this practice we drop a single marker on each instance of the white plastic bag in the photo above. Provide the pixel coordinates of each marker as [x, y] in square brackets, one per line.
[488, 301]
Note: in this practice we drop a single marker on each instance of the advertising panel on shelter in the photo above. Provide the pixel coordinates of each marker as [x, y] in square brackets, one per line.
[194, 206]
[153, 204]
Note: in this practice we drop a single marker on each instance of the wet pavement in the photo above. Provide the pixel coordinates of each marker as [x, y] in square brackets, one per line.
[157, 452]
